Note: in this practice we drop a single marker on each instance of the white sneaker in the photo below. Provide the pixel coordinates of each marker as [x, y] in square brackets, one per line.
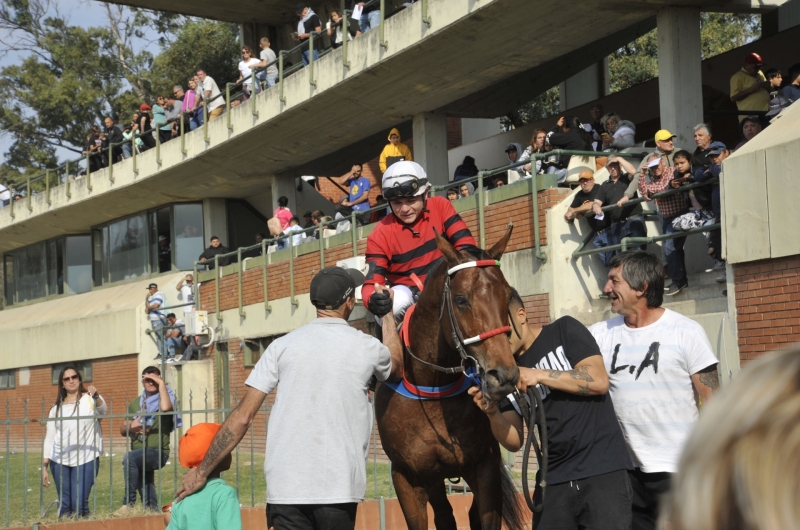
[170, 360]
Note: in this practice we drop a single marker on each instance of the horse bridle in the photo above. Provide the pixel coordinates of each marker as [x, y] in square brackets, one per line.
[458, 340]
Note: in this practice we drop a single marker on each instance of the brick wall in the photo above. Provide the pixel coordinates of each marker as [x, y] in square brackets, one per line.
[116, 379]
[768, 305]
[497, 217]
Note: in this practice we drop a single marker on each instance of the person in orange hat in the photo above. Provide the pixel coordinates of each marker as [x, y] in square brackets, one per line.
[749, 87]
[216, 505]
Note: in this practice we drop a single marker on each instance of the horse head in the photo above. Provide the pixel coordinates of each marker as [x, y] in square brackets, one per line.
[477, 306]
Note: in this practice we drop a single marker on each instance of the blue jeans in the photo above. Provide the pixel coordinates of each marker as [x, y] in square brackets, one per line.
[126, 151]
[195, 121]
[631, 227]
[306, 59]
[73, 485]
[272, 80]
[370, 20]
[673, 253]
[174, 346]
[600, 241]
[561, 173]
[139, 469]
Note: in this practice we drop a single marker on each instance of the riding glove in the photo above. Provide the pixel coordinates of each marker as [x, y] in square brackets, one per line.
[380, 304]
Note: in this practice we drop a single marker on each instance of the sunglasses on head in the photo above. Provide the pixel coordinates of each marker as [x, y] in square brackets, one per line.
[406, 189]
[69, 378]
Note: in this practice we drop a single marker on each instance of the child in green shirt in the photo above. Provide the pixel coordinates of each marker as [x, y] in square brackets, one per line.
[216, 506]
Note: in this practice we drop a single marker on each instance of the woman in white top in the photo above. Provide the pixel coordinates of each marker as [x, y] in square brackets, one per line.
[245, 68]
[73, 443]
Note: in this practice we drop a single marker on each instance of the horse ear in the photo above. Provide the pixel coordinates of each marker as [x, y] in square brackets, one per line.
[451, 255]
[496, 252]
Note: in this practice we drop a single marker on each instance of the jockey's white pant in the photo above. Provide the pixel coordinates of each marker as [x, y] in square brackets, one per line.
[403, 299]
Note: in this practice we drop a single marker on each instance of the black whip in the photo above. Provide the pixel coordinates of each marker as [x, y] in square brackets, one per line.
[535, 419]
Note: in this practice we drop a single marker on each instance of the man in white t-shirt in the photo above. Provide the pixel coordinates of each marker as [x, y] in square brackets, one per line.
[211, 91]
[5, 196]
[321, 389]
[660, 366]
[186, 289]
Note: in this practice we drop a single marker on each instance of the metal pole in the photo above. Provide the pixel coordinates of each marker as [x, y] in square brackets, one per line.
[280, 76]
[88, 173]
[255, 83]
[384, 44]
[242, 312]
[110, 170]
[535, 205]
[321, 246]
[228, 104]
[158, 145]
[196, 289]
[291, 272]
[28, 193]
[205, 119]
[481, 227]
[311, 60]
[267, 307]
[47, 184]
[216, 286]
[133, 154]
[353, 234]
[66, 179]
[345, 35]
[181, 116]
[425, 18]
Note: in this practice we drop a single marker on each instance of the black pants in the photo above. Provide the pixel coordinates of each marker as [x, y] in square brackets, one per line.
[602, 502]
[648, 488]
[312, 516]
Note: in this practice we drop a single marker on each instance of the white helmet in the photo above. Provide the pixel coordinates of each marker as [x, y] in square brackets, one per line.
[404, 179]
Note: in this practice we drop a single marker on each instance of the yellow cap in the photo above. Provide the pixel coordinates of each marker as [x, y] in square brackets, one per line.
[663, 135]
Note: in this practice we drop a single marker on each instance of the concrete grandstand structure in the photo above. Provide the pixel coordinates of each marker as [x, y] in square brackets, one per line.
[475, 60]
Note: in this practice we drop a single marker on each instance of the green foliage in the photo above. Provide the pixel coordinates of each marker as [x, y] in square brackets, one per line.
[542, 106]
[212, 45]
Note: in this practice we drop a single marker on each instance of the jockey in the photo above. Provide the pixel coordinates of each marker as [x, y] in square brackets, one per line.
[404, 241]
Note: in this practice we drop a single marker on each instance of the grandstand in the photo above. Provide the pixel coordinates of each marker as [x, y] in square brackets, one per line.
[78, 256]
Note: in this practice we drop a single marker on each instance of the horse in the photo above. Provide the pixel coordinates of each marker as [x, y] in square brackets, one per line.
[429, 441]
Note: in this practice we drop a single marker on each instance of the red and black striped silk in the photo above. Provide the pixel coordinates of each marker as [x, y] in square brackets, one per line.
[396, 250]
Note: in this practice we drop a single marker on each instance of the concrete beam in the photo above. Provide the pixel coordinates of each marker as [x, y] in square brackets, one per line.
[430, 145]
[680, 83]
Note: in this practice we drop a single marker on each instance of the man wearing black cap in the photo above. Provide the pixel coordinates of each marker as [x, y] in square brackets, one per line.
[322, 371]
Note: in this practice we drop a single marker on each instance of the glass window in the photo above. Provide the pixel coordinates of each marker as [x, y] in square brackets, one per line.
[161, 246]
[188, 238]
[255, 348]
[83, 367]
[7, 379]
[79, 264]
[31, 278]
[98, 257]
[126, 246]
[8, 276]
[55, 266]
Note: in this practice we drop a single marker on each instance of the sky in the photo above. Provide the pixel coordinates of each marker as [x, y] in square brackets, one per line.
[84, 13]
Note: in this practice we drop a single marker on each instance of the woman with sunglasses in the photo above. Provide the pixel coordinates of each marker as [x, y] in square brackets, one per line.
[404, 241]
[73, 443]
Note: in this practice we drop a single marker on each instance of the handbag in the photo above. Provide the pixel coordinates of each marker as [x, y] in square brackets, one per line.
[274, 226]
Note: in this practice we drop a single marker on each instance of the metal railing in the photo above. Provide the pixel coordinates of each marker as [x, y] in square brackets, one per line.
[626, 242]
[64, 176]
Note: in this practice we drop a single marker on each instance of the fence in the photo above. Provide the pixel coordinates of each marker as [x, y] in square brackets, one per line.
[70, 170]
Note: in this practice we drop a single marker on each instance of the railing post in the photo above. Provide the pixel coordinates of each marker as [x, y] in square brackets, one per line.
[157, 132]
[481, 220]
[196, 289]
[311, 60]
[242, 312]
[88, 173]
[110, 162]
[205, 119]
[216, 286]
[535, 205]
[11, 204]
[228, 104]
[181, 116]
[67, 180]
[321, 246]
[291, 272]
[354, 234]
[267, 307]
[345, 35]
[133, 154]
[280, 76]
[384, 44]
[254, 83]
[425, 18]
[47, 184]
[28, 193]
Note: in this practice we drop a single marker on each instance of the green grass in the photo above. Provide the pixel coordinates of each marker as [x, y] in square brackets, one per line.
[27, 500]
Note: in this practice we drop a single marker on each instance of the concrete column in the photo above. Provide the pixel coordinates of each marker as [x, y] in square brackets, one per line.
[585, 86]
[679, 78]
[430, 145]
[215, 220]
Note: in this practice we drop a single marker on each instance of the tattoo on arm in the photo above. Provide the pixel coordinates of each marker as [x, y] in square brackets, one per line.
[218, 450]
[554, 374]
[710, 377]
[583, 390]
[581, 374]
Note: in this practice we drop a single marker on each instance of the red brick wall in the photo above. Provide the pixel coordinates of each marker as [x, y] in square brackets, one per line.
[116, 379]
[768, 305]
[497, 216]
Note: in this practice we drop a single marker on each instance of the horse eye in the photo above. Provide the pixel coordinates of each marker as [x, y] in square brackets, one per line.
[462, 300]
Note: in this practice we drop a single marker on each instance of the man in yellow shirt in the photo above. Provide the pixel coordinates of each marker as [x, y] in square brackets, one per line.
[749, 87]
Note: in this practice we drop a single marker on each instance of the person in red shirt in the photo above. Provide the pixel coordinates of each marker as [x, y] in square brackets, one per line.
[404, 242]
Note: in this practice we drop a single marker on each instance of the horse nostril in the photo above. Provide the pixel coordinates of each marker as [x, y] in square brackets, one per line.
[502, 377]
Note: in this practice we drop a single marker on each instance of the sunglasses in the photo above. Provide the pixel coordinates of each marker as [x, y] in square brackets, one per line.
[406, 189]
[69, 378]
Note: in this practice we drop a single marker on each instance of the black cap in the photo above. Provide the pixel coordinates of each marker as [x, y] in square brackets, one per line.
[152, 286]
[331, 286]
[298, 8]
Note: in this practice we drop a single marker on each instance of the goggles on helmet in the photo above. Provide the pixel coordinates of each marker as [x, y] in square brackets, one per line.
[409, 188]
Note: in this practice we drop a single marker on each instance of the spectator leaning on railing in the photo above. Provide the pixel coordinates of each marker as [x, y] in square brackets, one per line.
[568, 133]
[370, 15]
[113, 136]
[750, 127]
[620, 134]
[214, 248]
[334, 28]
[791, 92]
[144, 126]
[309, 22]
[211, 92]
[583, 205]
[394, 151]
[246, 66]
[5, 194]
[535, 147]
[716, 153]
[268, 57]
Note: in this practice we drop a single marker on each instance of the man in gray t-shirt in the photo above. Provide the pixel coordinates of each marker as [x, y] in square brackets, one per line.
[322, 371]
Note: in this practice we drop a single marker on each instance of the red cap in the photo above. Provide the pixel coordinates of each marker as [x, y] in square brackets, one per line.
[195, 443]
[144, 106]
[753, 58]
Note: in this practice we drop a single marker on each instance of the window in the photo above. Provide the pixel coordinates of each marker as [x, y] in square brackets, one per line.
[188, 239]
[255, 348]
[31, 268]
[7, 379]
[125, 242]
[79, 264]
[83, 367]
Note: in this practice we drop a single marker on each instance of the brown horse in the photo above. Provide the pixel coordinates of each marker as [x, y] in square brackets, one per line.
[430, 441]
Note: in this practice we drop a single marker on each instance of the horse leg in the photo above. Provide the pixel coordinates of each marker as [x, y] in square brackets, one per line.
[442, 509]
[486, 487]
[413, 500]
